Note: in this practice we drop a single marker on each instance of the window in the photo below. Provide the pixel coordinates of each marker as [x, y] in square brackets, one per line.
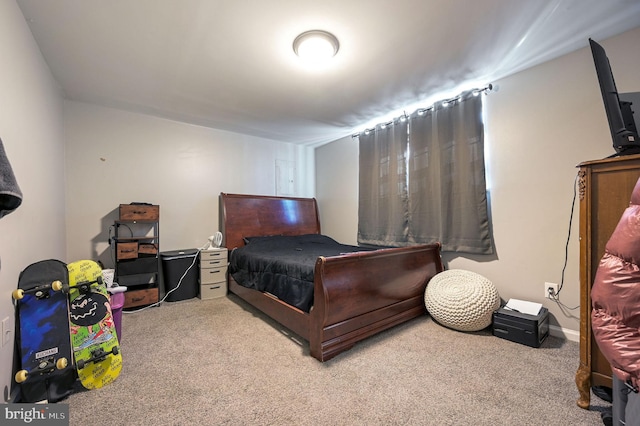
[422, 180]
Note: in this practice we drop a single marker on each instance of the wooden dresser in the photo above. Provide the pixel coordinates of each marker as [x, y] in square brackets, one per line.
[604, 188]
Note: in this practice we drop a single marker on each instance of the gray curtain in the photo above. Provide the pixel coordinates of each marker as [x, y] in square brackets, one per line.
[448, 193]
[422, 180]
[383, 212]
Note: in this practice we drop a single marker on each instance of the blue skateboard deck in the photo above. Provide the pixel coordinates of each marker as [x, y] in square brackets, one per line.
[46, 371]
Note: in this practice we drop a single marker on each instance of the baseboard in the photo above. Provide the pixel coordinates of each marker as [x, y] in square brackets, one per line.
[564, 333]
[12, 396]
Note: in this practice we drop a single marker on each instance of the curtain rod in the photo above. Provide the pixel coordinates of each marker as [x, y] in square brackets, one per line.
[404, 115]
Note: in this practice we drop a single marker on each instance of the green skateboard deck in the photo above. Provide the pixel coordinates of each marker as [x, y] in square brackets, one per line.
[93, 335]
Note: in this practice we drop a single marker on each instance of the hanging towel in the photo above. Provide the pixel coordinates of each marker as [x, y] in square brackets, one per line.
[10, 194]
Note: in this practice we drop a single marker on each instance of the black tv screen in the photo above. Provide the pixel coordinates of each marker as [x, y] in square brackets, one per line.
[619, 113]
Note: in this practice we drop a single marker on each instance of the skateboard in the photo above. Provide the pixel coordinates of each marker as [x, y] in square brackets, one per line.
[93, 335]
[46, 372]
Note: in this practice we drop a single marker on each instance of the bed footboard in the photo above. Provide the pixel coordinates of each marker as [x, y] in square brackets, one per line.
[360, 294]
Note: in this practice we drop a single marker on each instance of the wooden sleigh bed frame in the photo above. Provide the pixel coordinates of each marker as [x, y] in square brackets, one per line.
[355, 296]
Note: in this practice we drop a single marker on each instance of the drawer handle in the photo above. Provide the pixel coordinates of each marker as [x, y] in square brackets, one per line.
[214, 287]
[137, 299]
[215, 262]
[127, 251]
[214, 272]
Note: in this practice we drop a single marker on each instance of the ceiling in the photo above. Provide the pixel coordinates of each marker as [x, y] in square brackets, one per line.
[230, 64]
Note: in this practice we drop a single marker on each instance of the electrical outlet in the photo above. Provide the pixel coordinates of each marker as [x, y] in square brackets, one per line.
[7, 330]
[550, 290]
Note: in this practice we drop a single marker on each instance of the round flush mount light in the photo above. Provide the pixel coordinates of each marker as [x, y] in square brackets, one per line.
[316, 46]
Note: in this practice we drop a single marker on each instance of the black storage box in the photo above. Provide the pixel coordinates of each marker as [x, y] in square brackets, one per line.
[530, 330]
[141, 265]
[180, 270]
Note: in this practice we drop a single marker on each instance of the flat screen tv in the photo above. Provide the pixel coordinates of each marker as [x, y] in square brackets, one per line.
[619, 113]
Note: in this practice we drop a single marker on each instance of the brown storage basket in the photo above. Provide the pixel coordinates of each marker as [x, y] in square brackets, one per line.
[139, 212]
[147, 248]
[127, 250]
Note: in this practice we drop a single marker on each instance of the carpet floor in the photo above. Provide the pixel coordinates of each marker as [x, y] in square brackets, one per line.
[221, 362]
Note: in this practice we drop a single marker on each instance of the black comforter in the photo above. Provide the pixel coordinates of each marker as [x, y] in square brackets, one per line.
[283, 265]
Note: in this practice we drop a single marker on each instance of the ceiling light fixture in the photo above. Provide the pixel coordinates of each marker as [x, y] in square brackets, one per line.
[316, 46]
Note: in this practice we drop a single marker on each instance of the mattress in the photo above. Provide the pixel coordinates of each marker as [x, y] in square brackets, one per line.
[284, 265]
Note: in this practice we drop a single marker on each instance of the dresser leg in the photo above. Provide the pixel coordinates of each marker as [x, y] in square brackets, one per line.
[583, 383]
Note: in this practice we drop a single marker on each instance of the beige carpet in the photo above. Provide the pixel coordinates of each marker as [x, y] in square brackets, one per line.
[220, 362]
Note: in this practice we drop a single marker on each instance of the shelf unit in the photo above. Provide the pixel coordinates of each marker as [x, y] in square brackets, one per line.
[137, 244]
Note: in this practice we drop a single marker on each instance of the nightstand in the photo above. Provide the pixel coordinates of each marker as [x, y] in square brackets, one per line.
[213, 273]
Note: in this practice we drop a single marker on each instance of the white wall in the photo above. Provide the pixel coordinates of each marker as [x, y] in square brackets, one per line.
[116, 157]
[32, 134]
[540, 124]
[75, 163]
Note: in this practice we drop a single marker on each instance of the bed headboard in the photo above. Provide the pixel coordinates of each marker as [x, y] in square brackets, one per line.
[260, 215]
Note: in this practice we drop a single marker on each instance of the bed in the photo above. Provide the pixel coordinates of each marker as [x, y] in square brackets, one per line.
[354, 295]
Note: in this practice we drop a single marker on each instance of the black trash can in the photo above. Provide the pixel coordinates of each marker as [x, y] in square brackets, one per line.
[180, 271]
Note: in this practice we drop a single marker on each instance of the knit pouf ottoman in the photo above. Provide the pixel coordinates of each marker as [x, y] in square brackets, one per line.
[461, 300]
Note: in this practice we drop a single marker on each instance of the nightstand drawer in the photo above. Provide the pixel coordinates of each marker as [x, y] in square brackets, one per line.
[212, 291]
[213, 275]
[219, 254]
[213, 263]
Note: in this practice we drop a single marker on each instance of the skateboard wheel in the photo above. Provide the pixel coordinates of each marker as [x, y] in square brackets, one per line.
[115, 350]
[56, 285]
[61, 363]
[18, 294]
[21, 376]
[80, 364]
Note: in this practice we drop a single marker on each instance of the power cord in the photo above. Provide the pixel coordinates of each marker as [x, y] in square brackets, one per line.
[159, 302]
[556, 297]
